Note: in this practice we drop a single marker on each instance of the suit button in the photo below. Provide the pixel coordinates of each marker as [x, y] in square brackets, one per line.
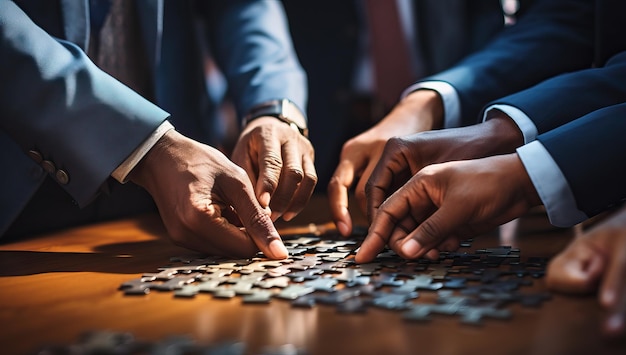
[48, 166]
[35, 155]
[62, 177]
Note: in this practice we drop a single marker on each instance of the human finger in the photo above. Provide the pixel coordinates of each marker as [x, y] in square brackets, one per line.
[440, 225]
[576, 270]
[360, 190]
[291, 175]
[258, 224]
[305, 189]
[383, 176]
[215, 236]
[613, 290]
[390, 225]
[270, 163]
[338, 187]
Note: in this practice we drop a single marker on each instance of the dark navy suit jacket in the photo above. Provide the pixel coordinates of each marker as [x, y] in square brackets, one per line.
[326, 37]
[579, 45]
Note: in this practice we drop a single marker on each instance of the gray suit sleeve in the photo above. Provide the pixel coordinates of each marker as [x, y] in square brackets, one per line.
[56, 101]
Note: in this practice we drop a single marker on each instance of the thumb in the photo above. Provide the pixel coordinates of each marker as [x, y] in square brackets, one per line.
[257, 222]
[576, 270]
[441, 224]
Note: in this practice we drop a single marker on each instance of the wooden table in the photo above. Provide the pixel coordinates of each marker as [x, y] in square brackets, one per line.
[57, 286]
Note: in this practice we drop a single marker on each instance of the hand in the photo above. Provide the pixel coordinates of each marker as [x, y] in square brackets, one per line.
[445, 202]
[279, 162]
[596, 260]
[404, 156]
[195, 187]
[420, 111]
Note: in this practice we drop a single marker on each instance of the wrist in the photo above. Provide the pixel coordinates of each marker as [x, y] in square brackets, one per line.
[528, 191]
[425, 107]
[505, 135]
[283, 110]
[142, 172]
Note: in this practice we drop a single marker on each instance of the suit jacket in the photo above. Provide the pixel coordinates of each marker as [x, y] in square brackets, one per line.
[59, 108]
[554, 37]
[590, 152]
[579, 45]
[326, 37]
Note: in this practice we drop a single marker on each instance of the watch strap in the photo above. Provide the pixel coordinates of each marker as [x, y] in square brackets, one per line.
[284, 110]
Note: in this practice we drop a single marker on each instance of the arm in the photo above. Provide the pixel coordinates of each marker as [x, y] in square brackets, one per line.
[253, 48]
[55, 99]
[554, 37]
[457, 199]
[566, 97]
[589, 152]
[534, 111]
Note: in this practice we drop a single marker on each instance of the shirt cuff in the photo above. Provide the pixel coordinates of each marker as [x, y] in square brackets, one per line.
[121, 172]
[449, 97]
[523, 122]
[551, 185]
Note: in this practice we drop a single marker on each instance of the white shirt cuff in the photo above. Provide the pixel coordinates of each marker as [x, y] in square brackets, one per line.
[551, 185]
[121, 172]
[525, 124]
[449, 97]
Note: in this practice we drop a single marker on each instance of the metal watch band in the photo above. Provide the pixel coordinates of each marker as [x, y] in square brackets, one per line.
[284, 110]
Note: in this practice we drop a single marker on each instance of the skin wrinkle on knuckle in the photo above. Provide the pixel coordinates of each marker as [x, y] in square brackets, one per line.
[259, 221]
[294, 173]
[310, 179]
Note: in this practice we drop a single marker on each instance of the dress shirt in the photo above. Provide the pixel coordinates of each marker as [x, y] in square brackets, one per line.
[549, 181]
[121, 172]
[555, 193]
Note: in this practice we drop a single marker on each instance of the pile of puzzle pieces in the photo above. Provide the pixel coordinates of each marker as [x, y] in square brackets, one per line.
[469, 284]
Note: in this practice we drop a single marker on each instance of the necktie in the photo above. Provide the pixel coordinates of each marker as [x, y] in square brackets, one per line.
[390, 54]
[120, 51]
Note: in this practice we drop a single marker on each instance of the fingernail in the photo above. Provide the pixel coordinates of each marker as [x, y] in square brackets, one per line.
[274, 216]
[343, 228]
[289, 216]
[264, 199]
[278, 249]
[410, 248]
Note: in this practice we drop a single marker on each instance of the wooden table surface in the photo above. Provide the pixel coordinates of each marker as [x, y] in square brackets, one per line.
[55, 287]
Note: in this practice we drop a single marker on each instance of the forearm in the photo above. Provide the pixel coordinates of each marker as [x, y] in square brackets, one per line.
[254, 50]
[590, 152]
[567, 97]
[56, 101]
[553, 38]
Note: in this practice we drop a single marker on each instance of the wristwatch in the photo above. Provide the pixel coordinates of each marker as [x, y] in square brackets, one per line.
[284, 110]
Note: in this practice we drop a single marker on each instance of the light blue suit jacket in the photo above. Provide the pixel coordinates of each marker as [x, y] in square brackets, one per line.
[54, 100]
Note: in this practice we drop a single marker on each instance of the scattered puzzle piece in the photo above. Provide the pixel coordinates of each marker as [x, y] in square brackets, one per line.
[472, 286]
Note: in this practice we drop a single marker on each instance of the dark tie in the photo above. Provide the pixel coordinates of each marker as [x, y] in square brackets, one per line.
[120, 51]
[389, 50]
